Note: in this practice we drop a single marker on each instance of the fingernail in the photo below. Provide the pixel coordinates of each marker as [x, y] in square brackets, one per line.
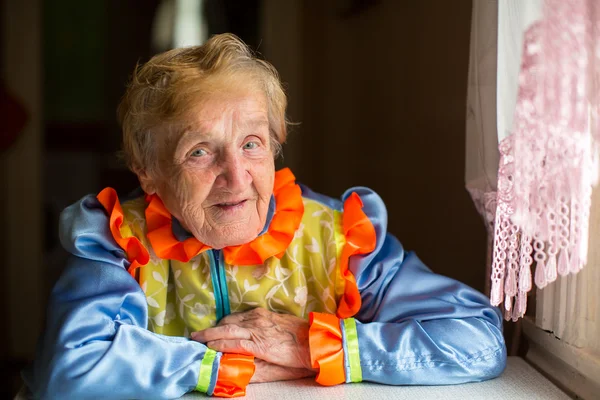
[194, 335]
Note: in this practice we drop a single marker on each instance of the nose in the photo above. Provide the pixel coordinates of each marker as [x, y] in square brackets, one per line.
[234, 172]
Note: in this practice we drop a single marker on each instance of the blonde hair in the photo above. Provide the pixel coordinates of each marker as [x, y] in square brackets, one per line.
[171, 83]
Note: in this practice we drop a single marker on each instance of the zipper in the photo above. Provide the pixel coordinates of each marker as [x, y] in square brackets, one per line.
[219, 283]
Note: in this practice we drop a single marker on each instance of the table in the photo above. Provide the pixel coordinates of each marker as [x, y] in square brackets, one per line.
[519, 381]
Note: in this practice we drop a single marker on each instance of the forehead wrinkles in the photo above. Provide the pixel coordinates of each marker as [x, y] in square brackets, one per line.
[215, 118]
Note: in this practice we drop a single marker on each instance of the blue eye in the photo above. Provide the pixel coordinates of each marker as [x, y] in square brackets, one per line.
[250, 145]
[198, 153]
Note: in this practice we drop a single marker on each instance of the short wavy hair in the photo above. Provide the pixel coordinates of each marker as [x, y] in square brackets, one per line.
[166, 88]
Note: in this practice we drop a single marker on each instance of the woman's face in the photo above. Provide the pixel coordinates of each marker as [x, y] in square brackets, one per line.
[216, 176]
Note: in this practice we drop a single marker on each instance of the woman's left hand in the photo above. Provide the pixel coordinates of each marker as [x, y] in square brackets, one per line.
[276, 338]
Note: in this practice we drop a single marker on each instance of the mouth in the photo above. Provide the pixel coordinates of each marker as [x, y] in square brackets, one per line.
[231, 206]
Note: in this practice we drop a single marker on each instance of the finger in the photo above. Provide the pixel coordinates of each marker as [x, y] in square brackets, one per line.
[224, 332]
[242, 346]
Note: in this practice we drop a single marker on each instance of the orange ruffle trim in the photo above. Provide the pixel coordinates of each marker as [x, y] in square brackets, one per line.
[136, 252]
[274, 242]
[357, 228]
[235, 372]
[325, 334]
[160, 234]
[326, 348]
[285, 222]
[360, 239]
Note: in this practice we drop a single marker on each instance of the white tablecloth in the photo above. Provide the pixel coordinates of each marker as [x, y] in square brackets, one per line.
[519, 381]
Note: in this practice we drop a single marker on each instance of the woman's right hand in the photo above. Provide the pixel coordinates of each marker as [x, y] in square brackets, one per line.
[267, 372]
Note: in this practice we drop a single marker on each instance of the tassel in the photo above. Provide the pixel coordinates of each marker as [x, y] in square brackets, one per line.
[510, 286]
[574, 266]
[540, 274]
[525, 279]
[522, 302]
[515, 311]
[563, 263]
[551, 269]
[508, 302]
[507, 315]
[496, 293]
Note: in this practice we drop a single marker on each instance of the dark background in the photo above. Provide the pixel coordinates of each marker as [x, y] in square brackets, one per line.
[378, 88]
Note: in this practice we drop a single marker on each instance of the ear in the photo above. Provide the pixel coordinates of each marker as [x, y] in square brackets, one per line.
[146, 181]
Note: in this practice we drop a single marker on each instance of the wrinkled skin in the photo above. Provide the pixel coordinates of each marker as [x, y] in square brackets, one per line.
[279, 342]
[216, 173]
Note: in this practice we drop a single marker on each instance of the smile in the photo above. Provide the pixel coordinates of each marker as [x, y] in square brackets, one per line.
[232, 206]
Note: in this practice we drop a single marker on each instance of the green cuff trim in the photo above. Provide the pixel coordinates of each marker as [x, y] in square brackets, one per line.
[206, 371]
[352, 347]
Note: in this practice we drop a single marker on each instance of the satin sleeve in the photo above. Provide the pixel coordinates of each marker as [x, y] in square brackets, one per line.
[415, 327]
[95, 343]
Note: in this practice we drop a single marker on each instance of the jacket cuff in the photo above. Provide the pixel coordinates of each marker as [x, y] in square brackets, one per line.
[351, 352]
[235, 372]
[326, 348]
[205, 377]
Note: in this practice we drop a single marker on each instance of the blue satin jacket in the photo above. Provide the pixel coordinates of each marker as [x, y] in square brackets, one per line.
[414, 327]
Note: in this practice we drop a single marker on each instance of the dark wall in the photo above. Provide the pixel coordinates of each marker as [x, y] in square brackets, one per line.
[384, 104]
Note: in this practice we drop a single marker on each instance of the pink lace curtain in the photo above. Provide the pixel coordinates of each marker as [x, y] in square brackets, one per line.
[549, 154]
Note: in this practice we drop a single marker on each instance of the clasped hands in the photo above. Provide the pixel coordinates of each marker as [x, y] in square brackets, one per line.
[279, 343]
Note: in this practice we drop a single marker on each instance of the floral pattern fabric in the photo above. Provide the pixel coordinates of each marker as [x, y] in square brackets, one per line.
[307, 278]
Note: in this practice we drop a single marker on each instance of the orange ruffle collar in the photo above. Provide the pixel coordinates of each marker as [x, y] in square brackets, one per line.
[286, 219]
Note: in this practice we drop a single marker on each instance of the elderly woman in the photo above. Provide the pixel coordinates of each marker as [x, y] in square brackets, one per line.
[224, 272]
